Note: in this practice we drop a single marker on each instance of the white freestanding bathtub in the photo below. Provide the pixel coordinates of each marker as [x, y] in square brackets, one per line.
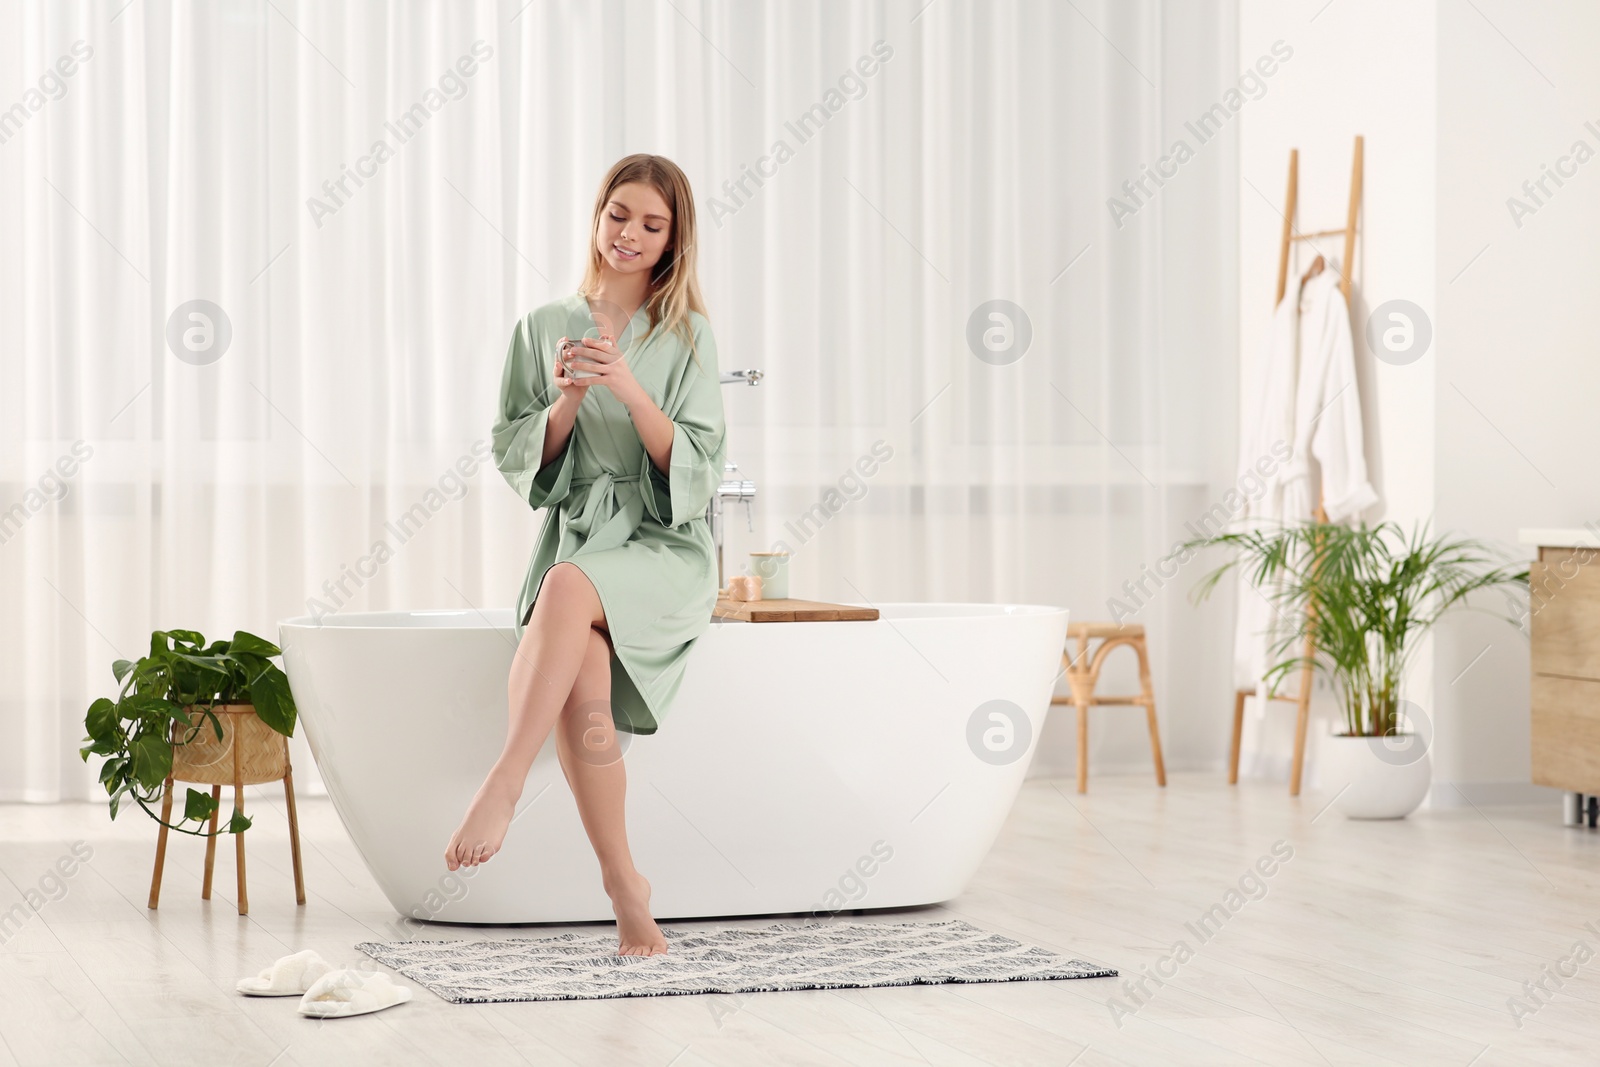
[804, 767]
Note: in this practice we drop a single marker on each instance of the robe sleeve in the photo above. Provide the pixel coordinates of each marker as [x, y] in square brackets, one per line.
[526, 396]
[1338, 441]
[699, 441]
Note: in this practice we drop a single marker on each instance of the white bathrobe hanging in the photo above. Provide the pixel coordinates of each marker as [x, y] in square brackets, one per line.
[1302, 391]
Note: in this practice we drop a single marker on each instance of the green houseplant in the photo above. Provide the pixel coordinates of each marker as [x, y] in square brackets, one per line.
[181, 678]
[1363, 595]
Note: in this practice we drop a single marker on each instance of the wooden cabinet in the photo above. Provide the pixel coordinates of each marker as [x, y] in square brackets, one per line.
[1564, 600]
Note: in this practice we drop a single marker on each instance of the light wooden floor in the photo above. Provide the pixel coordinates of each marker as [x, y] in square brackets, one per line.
[1376, 943]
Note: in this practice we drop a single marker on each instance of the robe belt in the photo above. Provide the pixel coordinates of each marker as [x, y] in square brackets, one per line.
[603, 520]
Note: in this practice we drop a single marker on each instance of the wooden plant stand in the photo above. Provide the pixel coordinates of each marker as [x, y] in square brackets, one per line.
[260, 755]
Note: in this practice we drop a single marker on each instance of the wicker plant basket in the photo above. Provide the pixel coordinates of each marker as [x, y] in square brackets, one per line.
[263, 753]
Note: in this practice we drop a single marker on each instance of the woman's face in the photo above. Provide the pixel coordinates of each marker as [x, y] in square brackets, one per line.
[635, 226]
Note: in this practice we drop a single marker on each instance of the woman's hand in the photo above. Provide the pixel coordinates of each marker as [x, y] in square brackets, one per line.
[614, 373]
[572, 389]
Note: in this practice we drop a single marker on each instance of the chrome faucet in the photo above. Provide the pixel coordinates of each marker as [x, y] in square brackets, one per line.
[732, 488]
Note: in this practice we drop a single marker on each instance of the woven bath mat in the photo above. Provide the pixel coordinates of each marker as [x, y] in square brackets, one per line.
[723, 960]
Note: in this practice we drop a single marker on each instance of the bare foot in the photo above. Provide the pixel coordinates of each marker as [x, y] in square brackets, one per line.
[637, 932]
[483, 827]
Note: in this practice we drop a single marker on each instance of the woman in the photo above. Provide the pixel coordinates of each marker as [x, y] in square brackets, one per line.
[624, 447]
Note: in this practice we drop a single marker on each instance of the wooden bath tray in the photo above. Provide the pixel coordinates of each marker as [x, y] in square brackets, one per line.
[789, 610]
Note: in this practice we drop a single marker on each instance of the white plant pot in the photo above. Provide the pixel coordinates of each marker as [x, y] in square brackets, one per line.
[1377, 777]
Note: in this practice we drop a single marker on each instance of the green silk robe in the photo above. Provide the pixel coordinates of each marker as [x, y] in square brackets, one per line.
[641, 537]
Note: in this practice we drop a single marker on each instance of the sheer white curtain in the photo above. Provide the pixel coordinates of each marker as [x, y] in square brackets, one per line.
[369, 196]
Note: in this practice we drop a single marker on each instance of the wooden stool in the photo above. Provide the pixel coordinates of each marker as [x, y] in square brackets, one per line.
[261, 755]
[1083, 673]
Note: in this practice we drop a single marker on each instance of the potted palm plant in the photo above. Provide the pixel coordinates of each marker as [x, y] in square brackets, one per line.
[157, 724]
[1363, 596]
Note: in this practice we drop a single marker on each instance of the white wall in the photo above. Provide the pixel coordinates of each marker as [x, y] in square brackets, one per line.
[1494, 428]
[1517, 379]
[1358, 67]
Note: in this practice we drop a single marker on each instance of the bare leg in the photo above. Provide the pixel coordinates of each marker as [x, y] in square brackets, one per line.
[591, 757]
[546, 665]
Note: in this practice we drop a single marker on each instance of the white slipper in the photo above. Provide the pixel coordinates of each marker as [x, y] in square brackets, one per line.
[350, 992]
[291, 976]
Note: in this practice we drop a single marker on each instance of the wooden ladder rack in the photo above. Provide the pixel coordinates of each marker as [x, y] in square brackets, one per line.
[1302, 699]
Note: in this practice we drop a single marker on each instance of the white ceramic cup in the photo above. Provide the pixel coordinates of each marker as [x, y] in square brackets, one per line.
[773, 570]
[574, 351]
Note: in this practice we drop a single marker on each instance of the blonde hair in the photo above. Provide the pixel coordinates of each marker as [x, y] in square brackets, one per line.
[674, 284]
